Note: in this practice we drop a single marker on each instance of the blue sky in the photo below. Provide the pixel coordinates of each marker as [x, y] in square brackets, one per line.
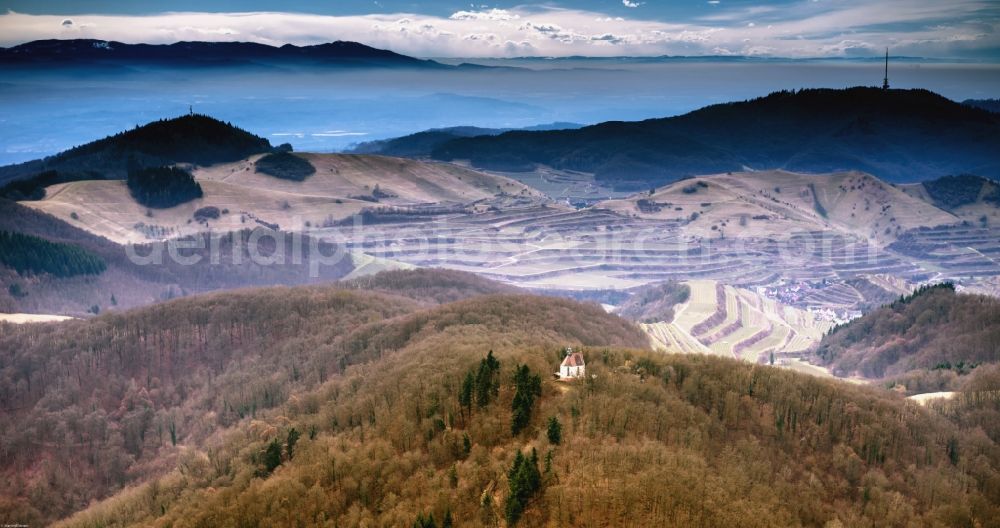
[964, 29]
[659, 9]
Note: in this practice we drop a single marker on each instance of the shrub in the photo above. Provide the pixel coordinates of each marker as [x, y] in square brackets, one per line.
[206, 213]
[16, 291]
[285, 165]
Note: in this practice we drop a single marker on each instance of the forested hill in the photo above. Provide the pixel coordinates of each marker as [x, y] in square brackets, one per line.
[193, 138]
[315, 406]
[927, 340]
[897, 135]
[420, 144]
[430, 285]
[151, 386]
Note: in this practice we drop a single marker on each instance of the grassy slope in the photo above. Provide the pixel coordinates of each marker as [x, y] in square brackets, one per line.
[854, 203]
[133, 284]
[105, 207]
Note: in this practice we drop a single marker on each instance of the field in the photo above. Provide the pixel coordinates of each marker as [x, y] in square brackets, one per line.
[734, 322]
[22, 318]
[342, 186]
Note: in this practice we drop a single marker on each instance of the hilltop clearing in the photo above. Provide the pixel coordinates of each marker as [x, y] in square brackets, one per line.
[777, 204]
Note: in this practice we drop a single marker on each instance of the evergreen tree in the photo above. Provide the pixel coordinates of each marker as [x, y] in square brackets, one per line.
[554, 431]
[293, 437]
[487, 380]
[425, 522]
[523, 482]
[527, 387]
[272, 456]
[465, 393]
[28, 254]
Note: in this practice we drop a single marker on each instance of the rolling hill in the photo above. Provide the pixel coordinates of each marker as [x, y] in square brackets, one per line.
[969, 197]
[342, 187]
[927, 341]
[896, 135]
[387, 437]
[188, 368]
[421, 143]
[123, 281]
[192, 139]
[779, 204]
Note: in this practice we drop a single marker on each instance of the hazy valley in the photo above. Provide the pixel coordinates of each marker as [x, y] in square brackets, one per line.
[787, 307]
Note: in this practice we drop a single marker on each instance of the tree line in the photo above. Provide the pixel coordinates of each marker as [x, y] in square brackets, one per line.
[29, 254]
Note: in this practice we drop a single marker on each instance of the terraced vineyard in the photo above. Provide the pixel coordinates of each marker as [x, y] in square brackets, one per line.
[954, 252]
[735, 322]
[548, 246]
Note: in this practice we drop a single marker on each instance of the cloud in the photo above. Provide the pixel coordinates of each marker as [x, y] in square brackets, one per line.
[802, 28]
[628, 3]
[338, 133]
[492, 14]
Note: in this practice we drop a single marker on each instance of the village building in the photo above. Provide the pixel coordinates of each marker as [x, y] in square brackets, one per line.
[572, 365]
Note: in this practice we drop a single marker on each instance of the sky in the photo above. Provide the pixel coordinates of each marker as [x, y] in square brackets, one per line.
[952, 29]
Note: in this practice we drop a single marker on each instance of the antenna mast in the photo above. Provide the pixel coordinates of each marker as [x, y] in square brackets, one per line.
[885, 81]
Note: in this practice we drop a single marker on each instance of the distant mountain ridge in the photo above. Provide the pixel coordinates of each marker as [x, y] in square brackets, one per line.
[90, 51]
[420, 143]
[897, 135]
[992, 105]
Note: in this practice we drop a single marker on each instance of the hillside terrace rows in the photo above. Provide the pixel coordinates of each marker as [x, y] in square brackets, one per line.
[955, 251]
[538, 246]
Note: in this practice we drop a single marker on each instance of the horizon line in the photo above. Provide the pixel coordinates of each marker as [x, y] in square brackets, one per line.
[662, 56]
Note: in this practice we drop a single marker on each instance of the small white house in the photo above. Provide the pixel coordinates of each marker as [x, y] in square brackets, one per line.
[572, 365]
